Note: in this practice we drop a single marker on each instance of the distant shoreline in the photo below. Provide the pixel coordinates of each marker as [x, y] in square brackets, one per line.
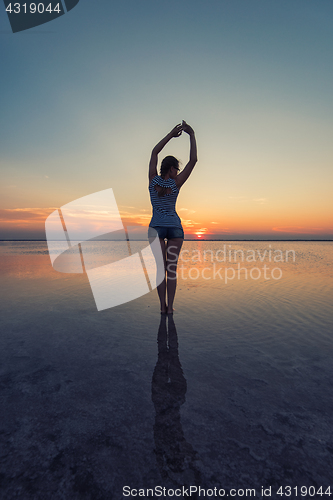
[197, 239]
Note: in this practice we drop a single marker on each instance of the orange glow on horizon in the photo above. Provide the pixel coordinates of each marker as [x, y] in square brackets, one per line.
[270, 224]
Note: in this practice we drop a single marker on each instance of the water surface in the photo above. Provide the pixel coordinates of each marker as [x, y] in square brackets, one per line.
[234, 392]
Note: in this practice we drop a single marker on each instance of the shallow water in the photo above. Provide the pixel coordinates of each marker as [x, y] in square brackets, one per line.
[236, 393]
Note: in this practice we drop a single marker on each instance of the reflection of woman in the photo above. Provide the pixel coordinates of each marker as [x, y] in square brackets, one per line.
[164, 190]
[176, 458]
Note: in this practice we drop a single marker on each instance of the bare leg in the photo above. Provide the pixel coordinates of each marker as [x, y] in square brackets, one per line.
[172, 253]
[161, 289]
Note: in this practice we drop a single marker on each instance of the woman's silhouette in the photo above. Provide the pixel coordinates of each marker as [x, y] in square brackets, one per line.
[176, 458]
[164, 190]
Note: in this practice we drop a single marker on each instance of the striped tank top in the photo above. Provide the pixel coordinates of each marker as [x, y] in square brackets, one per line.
[164, 207]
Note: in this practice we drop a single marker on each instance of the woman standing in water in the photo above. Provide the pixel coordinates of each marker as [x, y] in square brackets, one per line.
[164, 190]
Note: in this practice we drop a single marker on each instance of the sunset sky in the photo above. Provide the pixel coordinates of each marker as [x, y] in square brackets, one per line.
[85, 98]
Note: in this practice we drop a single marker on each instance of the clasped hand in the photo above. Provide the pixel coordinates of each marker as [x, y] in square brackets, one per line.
[178, 129]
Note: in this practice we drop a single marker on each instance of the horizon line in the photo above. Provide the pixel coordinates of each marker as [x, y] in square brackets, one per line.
[185, 239]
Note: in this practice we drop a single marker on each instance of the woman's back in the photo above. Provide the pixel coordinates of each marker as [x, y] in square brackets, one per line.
[163, 197]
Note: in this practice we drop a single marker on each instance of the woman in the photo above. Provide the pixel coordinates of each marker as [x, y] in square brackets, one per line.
[164, 190]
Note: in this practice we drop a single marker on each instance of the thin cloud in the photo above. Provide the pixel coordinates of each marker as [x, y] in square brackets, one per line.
[187, 210]
[189, 223]
[33, 217]
[24, 215]
[297, 229]
[261, 201]
[135, 219]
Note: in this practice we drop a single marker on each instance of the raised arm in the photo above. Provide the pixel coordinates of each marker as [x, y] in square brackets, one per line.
[186, 172]
[175, 132]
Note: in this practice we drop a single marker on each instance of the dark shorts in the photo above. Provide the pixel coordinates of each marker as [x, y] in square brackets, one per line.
[166, 233]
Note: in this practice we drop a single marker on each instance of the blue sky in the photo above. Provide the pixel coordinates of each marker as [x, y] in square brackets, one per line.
[85, 97]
